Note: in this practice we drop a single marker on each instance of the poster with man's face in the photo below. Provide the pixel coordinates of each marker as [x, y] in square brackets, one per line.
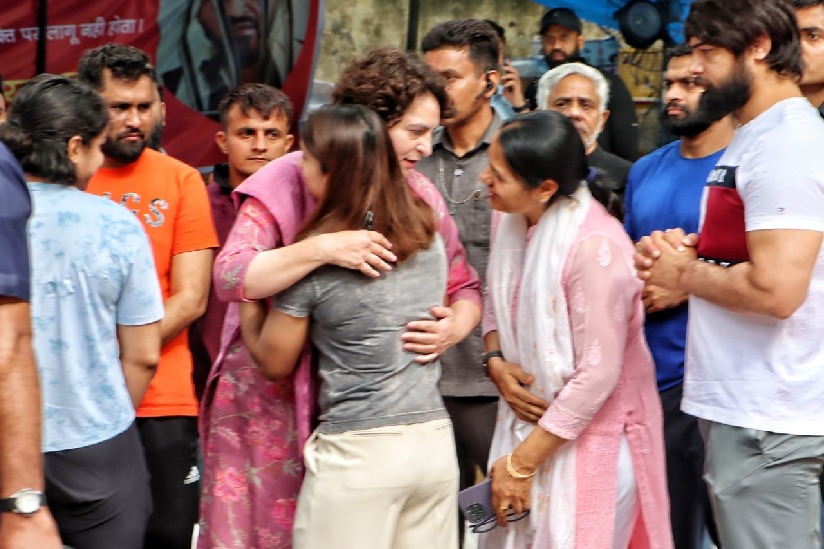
[202, 49]
[209, 46]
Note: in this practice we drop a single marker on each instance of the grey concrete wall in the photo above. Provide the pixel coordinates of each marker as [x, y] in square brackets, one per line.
[354, 27]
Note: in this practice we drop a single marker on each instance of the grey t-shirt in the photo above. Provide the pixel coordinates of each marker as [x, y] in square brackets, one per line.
[367, 379]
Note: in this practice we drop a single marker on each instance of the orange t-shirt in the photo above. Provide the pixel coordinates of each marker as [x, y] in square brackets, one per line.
[170, 200]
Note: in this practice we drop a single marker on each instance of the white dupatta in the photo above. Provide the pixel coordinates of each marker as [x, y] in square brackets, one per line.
[539, 339]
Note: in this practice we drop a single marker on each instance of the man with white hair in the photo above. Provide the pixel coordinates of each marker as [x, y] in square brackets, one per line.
[581, 93]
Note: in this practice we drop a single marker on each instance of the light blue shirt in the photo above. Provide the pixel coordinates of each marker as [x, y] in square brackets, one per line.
[91, 269]
[501, 105]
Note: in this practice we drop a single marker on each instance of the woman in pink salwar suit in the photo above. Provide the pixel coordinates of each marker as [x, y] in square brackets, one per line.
[564, 307]
[253, 430]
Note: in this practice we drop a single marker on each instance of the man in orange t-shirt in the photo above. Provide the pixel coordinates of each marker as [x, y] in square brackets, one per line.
[170, 200]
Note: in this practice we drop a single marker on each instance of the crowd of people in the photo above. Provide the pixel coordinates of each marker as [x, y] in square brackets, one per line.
[455, 277]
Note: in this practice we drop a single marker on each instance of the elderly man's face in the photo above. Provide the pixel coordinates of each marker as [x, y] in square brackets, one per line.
[576, 98]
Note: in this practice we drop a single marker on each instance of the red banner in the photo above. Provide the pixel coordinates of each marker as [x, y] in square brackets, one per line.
[202, 49]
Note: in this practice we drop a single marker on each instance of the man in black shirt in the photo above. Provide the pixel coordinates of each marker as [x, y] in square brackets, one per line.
[581, 93]
[561, 41]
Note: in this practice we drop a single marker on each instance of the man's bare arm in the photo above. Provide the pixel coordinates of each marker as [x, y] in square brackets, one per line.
[774, 282]
[21, 463]
[191, 274]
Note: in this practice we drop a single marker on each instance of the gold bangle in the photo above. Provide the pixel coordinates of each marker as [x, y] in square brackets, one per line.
[513, 472]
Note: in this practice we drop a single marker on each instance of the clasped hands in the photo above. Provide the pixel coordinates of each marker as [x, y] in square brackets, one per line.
[661, 260]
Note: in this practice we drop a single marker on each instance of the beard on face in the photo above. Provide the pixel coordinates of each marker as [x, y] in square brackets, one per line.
[693, 123]
[573, 57]
[125, 153]
[156, 138]
[729, 96]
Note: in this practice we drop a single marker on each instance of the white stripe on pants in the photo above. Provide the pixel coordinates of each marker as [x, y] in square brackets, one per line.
[385, 488]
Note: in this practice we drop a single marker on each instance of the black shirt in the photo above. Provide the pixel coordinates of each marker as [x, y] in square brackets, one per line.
[620, 135]
[614, 167]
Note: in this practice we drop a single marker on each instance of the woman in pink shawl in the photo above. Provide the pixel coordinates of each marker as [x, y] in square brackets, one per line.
[253, 430]
[585, 451]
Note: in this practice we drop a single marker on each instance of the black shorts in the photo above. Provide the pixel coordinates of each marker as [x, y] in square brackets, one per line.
[99, 494]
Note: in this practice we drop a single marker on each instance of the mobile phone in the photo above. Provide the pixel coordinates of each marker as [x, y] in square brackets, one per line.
[476, 502]
[368, 220]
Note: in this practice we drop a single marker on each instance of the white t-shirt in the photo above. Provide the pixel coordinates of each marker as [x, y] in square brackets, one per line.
[745, 369]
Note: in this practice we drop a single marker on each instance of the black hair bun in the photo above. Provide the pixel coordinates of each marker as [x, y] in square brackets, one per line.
[18, 140]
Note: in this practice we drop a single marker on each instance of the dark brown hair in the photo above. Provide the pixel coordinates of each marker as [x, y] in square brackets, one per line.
[679, 50]
[353, 147]
[260, 98]
[47, 112]
[803, 4]
[387, 81]
[126, 63]
[735, 24]
[477, 36]
[541, 145]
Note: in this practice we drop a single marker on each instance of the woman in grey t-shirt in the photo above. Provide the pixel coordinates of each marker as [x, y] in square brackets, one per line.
[381, 467]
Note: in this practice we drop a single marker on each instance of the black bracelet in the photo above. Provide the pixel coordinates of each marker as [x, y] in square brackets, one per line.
[522, 108]
[486, 357]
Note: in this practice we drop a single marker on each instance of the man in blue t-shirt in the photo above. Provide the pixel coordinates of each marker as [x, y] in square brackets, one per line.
[664, 190]
[24, 521]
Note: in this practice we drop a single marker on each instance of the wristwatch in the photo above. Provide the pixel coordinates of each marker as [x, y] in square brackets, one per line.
[486, 357]
[25, 502]
[522, 108]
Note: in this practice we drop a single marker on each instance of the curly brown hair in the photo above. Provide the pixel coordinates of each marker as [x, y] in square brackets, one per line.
[387, 81]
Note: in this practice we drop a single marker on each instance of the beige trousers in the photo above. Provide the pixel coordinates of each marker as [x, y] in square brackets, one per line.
[386, 488]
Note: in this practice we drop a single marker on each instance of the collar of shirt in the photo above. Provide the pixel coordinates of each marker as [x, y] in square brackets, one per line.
[440, 138]
[220, 176]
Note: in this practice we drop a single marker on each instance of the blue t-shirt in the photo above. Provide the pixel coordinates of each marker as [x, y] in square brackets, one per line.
[15, 208]
[664, 191]
[92, 269]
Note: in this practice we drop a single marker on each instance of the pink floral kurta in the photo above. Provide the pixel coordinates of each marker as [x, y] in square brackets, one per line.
[252, 430]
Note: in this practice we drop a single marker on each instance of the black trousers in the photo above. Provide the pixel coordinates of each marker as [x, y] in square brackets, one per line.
[99, 494]
[171, 454]
[690, 510]
[473, 423]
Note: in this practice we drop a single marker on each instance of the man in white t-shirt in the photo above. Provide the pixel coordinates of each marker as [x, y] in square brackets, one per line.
[756, 280]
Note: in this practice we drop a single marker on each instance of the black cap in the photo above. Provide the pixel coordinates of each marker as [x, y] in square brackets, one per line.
[560, 16]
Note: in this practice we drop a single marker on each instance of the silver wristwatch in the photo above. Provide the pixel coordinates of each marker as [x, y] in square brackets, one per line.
[24, 502]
